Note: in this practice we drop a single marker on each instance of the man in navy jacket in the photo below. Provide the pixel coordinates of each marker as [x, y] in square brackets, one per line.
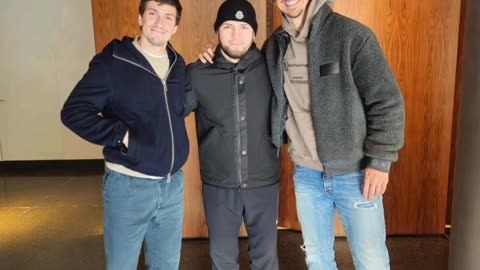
[131, 101]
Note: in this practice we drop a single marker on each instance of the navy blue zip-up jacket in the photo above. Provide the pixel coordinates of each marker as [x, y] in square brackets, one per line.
[121, 92]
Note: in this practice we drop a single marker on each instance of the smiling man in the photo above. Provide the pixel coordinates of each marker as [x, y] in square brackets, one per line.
[131, 102]
[338, 105]
[238, 163]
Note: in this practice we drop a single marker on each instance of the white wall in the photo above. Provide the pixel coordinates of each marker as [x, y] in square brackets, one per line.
[45, 50]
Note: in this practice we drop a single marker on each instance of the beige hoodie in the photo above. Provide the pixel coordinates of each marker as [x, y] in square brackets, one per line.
[299, 126]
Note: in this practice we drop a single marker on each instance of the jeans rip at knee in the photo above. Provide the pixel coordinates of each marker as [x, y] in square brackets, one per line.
[365, 205]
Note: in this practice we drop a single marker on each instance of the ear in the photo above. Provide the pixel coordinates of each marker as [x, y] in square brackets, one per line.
[140, 20]
[175, 29]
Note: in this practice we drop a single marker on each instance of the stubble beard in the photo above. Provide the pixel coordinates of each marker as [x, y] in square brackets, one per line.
[232, 54]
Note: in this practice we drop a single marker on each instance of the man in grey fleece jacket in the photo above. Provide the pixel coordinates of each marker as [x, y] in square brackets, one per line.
[339, 107]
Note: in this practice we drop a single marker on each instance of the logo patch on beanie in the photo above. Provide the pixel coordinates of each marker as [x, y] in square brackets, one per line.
[239, 15]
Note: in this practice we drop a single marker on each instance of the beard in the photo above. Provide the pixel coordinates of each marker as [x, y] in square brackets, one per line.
[234, 54]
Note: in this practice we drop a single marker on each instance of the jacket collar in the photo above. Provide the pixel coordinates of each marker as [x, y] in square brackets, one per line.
[125, 49]
[318, 21]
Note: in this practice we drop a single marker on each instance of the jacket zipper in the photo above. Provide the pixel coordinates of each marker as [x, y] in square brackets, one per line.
[165, 90]
[239, 143]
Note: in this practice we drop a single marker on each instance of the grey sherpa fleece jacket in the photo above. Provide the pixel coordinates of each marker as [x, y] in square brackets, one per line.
[357, 106]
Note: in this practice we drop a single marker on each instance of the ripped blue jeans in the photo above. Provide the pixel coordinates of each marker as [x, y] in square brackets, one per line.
[317, 198]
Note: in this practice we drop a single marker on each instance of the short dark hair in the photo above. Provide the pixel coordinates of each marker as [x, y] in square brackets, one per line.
[174, 3]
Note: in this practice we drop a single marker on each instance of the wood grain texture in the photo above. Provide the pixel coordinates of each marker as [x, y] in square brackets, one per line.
[115, 19]
[287, 212]
[104, 22]
[420, 40]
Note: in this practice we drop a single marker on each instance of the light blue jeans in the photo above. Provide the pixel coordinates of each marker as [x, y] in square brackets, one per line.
[317, 197]
[138, 210]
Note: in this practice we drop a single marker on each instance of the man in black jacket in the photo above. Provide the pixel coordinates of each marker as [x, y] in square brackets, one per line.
[238, 162]
[338, 105]
[122, 103]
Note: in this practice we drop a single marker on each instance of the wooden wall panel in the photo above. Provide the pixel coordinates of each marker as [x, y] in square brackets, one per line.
[420, 40]
[104, 23]
[115, 19]
[287, 212]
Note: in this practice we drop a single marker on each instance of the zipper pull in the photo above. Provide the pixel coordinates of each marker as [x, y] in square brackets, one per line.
[165, 89]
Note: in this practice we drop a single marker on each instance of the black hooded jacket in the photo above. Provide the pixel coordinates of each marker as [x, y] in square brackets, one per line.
[232, 105]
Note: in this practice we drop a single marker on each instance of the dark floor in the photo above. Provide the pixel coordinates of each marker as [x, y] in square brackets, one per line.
[52, 220]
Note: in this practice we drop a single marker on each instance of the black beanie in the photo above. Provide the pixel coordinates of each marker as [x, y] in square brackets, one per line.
[236, 10]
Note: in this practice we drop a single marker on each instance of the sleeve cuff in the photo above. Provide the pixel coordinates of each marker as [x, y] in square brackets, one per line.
[380, 164]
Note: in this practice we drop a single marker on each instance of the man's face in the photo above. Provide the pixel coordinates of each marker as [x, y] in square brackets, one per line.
[292, 8]
[158, 23]
[235, 38]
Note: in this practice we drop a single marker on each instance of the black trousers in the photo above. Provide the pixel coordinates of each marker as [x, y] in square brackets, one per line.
[225, 208]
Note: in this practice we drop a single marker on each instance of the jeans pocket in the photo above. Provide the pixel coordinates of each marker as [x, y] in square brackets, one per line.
[354, 178]
[177, 182]
[118, 186]
[306, 181]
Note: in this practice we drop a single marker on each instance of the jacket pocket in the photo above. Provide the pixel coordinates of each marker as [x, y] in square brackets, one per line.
[265, 164]
[131, 150]
[216, 156]
[330, 69]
